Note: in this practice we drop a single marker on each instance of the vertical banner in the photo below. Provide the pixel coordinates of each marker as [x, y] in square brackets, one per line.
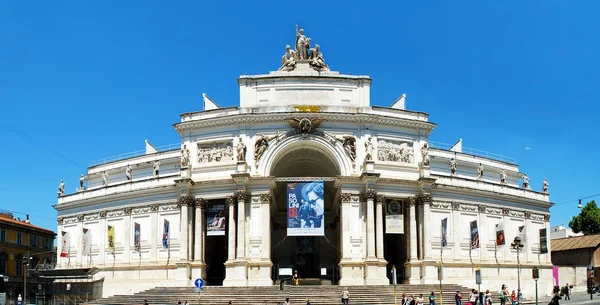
[474, 235]
[66, 243]
[522, 234]
[394, 218]
[543, 241]
[86, 242]
[165, 237]
[111, 239]
[500, 238]
[137, 240]
[306, 205]
[215, 220]
[445, 232]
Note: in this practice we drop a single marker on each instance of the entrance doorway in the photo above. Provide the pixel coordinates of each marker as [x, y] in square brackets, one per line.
[307, 261]
[216, 242]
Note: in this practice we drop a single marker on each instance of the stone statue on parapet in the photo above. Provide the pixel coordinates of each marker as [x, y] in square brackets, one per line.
[81, 183]
[525, 181]
[545, 186]
[369, 149]
[502, 176]
[452, 166]
[317, 61]
[241, 150]
[128, 171]
[61, 188]
[288, 60]
[302, 45]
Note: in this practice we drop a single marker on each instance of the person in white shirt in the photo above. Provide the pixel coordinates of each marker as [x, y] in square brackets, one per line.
[419, 299]
[19, 300]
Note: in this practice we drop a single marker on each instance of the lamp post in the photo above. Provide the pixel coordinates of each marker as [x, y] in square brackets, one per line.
[536, 275]
[518, 245]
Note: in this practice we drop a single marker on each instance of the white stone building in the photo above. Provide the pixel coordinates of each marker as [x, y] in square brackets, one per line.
[293, 125]
[562, 232]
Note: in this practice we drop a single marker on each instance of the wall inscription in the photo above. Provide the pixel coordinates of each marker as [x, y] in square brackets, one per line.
[303, 95]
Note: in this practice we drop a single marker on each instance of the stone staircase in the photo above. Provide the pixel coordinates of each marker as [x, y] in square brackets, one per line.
[318, 295]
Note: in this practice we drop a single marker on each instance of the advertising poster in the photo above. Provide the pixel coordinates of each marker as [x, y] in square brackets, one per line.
[500, 238]
[394, 218]
[64, 250]
[523, 236]
[305, 206]
[543, 241]
[111, 239]
[445, 232]
[86, 242]
[165, 236]
[137, 241]
[474, 235]
[215, 220]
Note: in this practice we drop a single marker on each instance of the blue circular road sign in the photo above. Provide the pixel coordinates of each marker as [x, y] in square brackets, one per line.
[199, 283]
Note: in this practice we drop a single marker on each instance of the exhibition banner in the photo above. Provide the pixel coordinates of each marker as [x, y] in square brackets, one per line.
[111, 239]
[523, 235]
[64, 250]
[474, 235]
[305, 207]
[543, 241]
[445, 232]
[137, 241]
[215, 219]
[86, 242]
[500, 238]
[165, 236]
[394, 218]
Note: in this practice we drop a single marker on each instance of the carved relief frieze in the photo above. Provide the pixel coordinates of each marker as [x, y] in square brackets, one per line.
[70, 220]
[516, 213]
[102, 214]
[115, 213]
[395, 151]
[537, 217]
[215, 152]
[127, 210]
[441, 204]
[92, 216]
[169, 207]
[468, 207]
[141, 210]
[495, 211]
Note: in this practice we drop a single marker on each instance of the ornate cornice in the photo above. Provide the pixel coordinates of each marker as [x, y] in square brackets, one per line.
[186, 200]
[370, 194]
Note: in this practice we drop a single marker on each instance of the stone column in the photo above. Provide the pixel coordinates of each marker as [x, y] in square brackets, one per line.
[154, 233]
[413, 228]
[184, 201]
[379, 226]
[103, 244]
[231, 229]
[200, 205]
[547, 225]
[370, 195]
[59, 261]
[241, 197]
[79, 247]
[426, 201]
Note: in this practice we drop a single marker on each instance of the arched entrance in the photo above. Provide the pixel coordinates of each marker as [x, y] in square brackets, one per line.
[315, 258]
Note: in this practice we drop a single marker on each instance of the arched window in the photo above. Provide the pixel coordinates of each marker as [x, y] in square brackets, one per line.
[18, 264]
[3, 263]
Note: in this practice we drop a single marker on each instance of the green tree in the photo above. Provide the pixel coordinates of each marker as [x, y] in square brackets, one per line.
[588, 221]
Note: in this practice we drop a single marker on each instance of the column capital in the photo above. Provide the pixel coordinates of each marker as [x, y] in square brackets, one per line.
[346, 197]
[265, 198]
[411, 201]
[230, 200]
[60, 220]
[154, 207]
[186, 200]
[102, 214]
[200, 203]
[79, 217]
[127, 210]
[380, 198]
[425, 199]
[547, 217]
[481, 208]
[242, 196]
[370, 194]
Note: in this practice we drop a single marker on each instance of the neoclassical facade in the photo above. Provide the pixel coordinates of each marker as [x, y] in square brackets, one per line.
[303, 123]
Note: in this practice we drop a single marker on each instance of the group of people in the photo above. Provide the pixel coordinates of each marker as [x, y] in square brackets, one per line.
[411, 300]
[480, 298]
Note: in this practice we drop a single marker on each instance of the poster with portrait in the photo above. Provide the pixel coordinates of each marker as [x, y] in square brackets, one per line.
[474, 234]
[394, 218]
[543, 241]
[500, 237]
[305, 207]
[444, 232]
[215, 220]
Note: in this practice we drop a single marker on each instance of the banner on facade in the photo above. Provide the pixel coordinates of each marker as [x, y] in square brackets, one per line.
[500, 238]
[215, 219]
[86, 242]
[394, 218]
[137, 239]
[523, 235]
[445, 232]
[111, 239]
[543, 241]
[165, 236]
[66, 244]
[306, 206]
[474, 235]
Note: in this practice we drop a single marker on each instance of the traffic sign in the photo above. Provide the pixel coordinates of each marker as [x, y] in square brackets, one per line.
[199, 283]
[478, 276]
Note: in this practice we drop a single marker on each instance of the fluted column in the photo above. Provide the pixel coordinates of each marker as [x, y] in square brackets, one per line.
[413, 228]
[200, 206]
[379, 226]
[231, 229]
[370, 195]
[241, 197]
[426, 201]
[185, 201]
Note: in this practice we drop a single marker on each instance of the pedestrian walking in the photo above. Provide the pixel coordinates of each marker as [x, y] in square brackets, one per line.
[488, 297]
[472, 297]
[458, 298]
[503, 294]
[345, 296]
[513, 298]
[567, 292]
[555, 296]
[432, 298]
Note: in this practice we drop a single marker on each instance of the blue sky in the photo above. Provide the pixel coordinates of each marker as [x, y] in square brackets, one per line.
[88, 80]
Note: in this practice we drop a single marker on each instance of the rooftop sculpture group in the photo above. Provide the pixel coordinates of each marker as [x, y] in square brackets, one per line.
[303, 53]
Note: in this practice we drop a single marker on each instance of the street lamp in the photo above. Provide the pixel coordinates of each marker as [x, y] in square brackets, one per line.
[26, 265]
[518, 245]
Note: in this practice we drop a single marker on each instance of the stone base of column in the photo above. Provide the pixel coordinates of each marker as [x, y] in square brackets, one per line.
[352, 273]
[376, 272]
[183, 271]
[413, 273]
[429, 274]
[259, 273]
[236, 273]
[198, 270]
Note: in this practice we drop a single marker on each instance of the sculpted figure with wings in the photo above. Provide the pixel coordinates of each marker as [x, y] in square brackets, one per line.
[306, 125]
[261, 144]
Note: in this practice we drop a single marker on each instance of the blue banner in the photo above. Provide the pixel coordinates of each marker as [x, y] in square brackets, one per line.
[474, 235]
[306, 208]
[444, 232]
